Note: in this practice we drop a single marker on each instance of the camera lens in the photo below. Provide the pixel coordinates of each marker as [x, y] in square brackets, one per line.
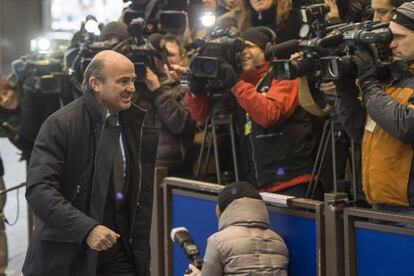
[208, 67]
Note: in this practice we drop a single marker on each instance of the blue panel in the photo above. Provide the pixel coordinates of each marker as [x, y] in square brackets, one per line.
[300, 236]
[198, 216]
[383, 254]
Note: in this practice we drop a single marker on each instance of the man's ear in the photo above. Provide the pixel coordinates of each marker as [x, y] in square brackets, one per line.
[95, 84]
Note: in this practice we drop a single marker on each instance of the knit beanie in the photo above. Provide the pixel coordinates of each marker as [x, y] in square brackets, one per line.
[235, 191]
[404, 15]
[259, 35]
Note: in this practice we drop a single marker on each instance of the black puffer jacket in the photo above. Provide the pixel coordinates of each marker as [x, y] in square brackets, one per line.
[60, 181]
[176, 128]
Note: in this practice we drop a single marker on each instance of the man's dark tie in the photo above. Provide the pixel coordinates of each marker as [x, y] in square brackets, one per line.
[118, 165]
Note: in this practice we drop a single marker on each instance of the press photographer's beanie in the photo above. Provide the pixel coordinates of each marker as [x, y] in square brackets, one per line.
[404, 15]
[259, 35]
[235, 191]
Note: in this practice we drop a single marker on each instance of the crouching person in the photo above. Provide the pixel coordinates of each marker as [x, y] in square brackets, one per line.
[244, 244]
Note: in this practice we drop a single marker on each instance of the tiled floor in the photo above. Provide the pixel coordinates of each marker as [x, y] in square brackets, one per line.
[17, 235]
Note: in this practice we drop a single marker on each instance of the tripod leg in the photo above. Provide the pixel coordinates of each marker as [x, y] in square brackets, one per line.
[354, 181]
[325, 147]
[313, 182]
[335, 178]
[233, 147]
[207, 158]
[217, 159]
[200, 156]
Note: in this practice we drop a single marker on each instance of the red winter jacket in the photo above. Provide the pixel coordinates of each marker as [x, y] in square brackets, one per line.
[265, 109]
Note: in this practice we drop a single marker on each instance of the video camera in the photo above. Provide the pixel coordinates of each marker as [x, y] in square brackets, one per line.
[220, 46]
[313, 19]
[328, 57]
[44, 76]
[163, 16]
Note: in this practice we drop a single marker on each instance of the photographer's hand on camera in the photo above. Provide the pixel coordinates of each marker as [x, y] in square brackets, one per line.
[328, 88]
[366, 70]
[228, 77]
[152, 81]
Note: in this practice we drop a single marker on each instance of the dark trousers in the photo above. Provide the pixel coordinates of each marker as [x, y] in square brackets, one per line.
[116, 262]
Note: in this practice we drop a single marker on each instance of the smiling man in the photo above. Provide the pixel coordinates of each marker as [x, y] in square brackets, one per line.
[90, 180]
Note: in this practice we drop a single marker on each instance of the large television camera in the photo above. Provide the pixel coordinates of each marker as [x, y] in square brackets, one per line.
[219, 47]
[329, 57]
[43, 76]
[157, 16]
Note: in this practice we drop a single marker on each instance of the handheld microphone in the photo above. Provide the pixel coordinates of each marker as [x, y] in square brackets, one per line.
[181, 236]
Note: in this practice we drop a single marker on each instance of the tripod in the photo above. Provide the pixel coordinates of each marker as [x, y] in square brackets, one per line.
[332, 132]
[217, 118]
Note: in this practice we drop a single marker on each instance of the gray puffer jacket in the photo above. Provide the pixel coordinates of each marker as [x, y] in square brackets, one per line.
[244, 244]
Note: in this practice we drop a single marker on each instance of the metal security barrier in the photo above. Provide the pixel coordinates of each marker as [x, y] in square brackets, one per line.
[374, 248]
[324, 238]
[192, 203]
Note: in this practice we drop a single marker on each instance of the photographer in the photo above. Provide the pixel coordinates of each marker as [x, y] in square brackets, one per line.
[242, 214]
[383, 122]
[165, 97]
[275, 133]
[10, 116]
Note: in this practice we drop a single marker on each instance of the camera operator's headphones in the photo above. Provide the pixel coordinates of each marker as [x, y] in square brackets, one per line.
[271, 43]
[264, 84]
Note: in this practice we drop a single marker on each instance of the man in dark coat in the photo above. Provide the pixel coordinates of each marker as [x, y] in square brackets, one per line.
[90, 180]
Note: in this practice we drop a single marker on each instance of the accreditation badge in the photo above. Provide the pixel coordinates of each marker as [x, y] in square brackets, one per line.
[370, 125]
[247, 126]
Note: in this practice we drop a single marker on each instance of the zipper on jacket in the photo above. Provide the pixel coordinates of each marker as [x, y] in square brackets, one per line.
[269, 135]
[94, 165]
[256, 173]
[137, 205]
[76, 193]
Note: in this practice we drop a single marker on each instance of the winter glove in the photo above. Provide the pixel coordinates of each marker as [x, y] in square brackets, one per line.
[366, 70]
[227, 76]
[197, 86]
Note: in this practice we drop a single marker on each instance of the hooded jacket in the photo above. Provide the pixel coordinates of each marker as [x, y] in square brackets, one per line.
[244, 244]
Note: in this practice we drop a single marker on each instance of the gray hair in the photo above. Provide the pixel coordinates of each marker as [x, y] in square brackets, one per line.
[94, 69]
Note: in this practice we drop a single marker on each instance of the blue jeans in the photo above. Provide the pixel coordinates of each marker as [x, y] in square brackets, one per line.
[394, 209]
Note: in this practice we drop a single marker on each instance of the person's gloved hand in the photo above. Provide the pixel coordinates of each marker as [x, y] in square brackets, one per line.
[197, 86]
[227, 76]
[366, 69]
[230, 75]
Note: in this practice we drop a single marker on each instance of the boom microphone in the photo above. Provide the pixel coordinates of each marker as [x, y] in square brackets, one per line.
[283, 50]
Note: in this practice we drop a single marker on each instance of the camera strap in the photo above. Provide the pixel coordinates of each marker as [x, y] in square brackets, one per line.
[307, 102]
[264, 84]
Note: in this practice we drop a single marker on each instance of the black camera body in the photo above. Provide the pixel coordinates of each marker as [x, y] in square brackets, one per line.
[45, 76]
[329, 57]
[219, 47]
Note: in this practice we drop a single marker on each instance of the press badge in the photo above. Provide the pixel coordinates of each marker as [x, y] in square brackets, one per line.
[247, 126]
[370, 125]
